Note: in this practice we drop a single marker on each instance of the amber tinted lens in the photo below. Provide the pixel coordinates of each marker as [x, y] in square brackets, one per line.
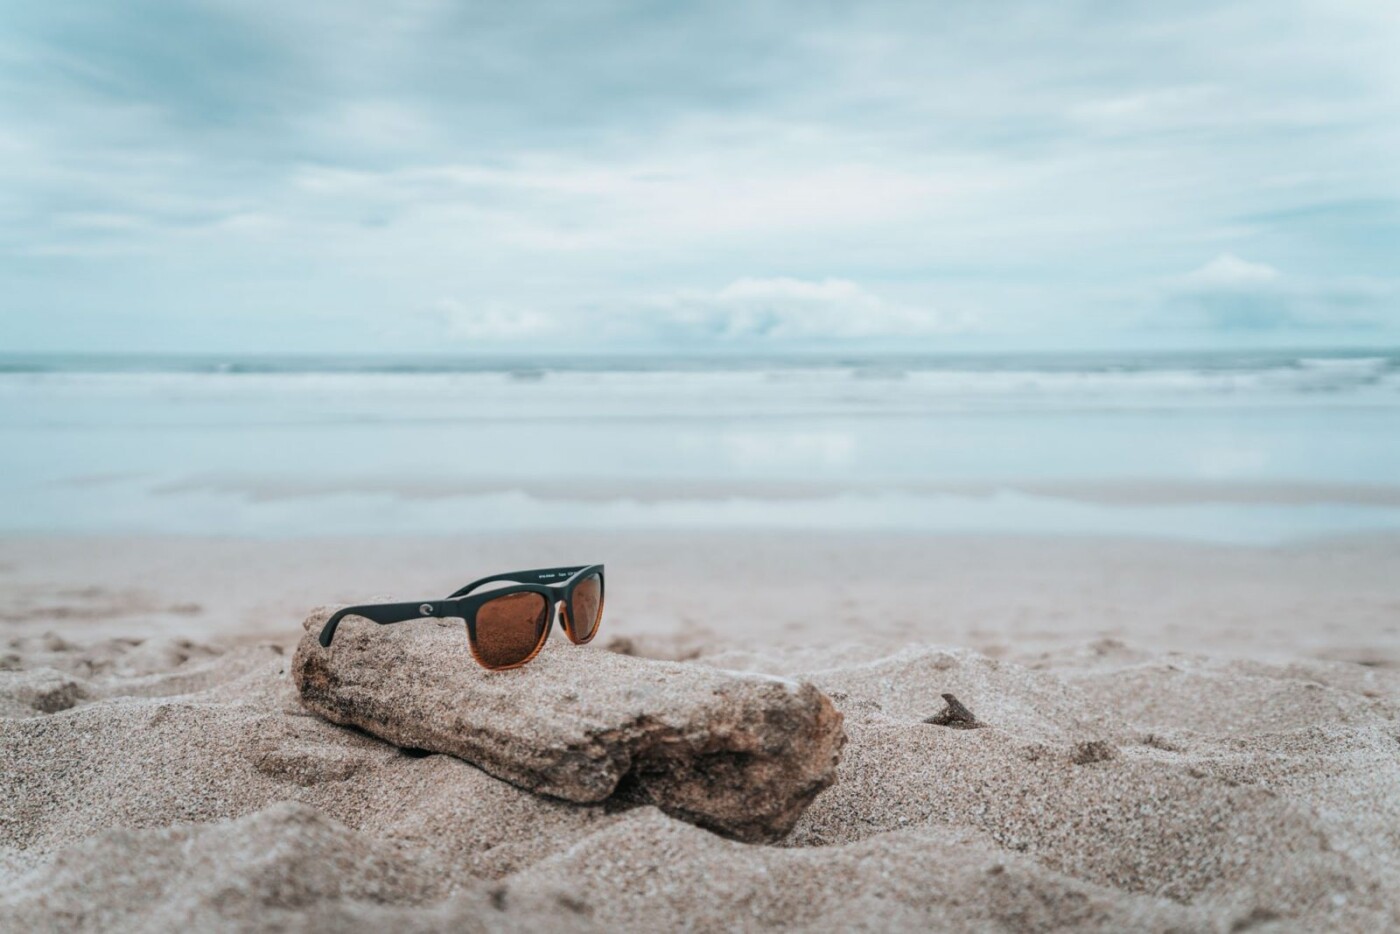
[585, 606]
[510, 628]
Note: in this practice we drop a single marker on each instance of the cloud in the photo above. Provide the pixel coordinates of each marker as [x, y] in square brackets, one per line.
[494, 322]
[1227, 272]
[1232, 294]
[786, 309]
[780, 311]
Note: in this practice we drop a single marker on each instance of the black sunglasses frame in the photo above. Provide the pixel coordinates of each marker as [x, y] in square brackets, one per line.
[556, 585]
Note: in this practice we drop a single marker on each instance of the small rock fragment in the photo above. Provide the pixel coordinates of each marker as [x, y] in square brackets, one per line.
[955, 715]
[1095, 750]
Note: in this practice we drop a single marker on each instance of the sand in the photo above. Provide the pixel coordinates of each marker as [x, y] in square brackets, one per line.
[1172, 737]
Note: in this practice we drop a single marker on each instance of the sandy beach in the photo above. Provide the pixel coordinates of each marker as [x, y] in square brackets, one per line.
[1175, 737]
[722, 468]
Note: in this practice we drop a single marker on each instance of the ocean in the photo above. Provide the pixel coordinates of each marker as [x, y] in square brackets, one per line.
[1250, 448]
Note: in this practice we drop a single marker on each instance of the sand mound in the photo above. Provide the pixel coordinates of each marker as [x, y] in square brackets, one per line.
[165, 786]
[287, 866]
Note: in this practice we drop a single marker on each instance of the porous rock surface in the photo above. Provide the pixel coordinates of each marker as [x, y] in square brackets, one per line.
[739, 753]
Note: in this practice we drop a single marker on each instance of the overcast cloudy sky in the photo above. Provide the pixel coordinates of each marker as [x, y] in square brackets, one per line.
[335, 175]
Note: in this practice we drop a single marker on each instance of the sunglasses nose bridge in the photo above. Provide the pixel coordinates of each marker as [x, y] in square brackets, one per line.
[562, 610]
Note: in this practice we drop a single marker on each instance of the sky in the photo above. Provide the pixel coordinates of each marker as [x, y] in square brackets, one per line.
[347, 176]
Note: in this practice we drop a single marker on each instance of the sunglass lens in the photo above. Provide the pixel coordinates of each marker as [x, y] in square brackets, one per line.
[510, 629]
[586, 607]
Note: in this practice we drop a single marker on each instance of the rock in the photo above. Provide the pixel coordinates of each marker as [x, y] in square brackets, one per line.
[954, 715]
[741, 754]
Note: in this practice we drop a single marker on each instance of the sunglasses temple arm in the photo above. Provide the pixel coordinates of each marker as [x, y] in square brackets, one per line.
[535, 576]
[387, 613]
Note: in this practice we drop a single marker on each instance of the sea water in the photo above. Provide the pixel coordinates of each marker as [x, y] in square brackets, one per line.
[1233, 447]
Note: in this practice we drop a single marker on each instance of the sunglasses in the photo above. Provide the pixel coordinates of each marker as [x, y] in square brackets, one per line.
[507, 626]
